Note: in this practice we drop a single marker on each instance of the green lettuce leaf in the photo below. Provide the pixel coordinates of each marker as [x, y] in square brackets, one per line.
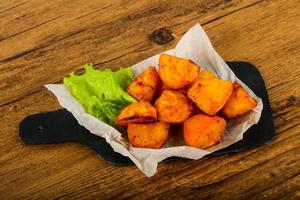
[102, 93]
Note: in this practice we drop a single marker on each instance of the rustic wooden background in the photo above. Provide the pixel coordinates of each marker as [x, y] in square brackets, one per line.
[42, 41]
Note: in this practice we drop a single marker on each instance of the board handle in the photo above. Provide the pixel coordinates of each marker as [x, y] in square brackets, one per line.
[60, 126]
[50, 127]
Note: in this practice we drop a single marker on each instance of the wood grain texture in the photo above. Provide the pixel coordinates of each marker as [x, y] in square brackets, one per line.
[42, 41]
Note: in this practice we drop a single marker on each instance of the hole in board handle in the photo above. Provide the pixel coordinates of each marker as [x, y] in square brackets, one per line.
[40, 129]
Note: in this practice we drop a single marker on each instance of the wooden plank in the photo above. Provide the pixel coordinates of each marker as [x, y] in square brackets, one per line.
[262, 174]
[58, 42]
[291, 191]
[240, 30]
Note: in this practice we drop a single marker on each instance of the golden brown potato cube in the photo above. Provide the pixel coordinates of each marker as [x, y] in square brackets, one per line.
[138, 112]
[145, 86]
[173, 107]
[208, 93]
[238, 103]
[176, 72]
[203, 131]
[151, 135]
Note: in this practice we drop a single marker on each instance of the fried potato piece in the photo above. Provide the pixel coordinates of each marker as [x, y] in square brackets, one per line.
[238, 103]
[210, 93]
[145, 86]
[173, 107]
[151, 135]
[139, 112]
[203, 131]
[176, 72]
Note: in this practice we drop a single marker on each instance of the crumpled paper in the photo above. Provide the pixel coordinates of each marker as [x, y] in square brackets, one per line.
[196, 46]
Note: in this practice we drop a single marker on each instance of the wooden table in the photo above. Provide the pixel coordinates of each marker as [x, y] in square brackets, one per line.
[42, 41]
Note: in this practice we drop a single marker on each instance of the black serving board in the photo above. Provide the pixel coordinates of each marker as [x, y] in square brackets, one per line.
[60, 125]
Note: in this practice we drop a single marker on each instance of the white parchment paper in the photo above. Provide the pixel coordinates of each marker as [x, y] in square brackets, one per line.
[196, 46]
